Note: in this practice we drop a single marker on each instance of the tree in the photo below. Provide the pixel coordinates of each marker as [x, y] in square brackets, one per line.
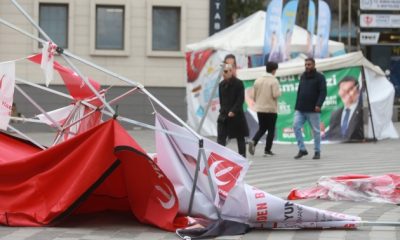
[239, 9]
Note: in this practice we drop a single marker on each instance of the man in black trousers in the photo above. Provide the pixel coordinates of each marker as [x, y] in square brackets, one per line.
[231, 120]
[266, 93]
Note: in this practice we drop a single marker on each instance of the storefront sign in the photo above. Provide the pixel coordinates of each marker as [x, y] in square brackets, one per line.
[380, 20]
[217, 16]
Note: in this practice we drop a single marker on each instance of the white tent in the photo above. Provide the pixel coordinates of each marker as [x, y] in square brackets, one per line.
[380, 90]
[247, 37]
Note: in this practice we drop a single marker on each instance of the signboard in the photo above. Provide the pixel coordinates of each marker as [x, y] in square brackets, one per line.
[217, 16]
[369, 38]
[286, 106]
[380, 20]
[381, 38]
[380, 5]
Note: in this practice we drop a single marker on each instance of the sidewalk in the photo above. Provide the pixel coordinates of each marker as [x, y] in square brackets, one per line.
[277, 175]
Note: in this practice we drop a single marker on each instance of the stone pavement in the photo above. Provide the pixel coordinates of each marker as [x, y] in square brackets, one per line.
[277, 175]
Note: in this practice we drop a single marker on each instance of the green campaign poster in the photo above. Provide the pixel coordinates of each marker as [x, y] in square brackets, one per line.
[286, 103]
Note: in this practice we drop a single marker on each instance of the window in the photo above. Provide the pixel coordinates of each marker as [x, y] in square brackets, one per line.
[165, 35]
[110, 27]
[53, 19]
[166, 28]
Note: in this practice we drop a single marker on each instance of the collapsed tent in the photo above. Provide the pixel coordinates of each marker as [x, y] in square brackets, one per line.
[102, 167]
[116, 174]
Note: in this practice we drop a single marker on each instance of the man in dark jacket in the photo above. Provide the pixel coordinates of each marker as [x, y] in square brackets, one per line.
[231, 120]
[310, 97]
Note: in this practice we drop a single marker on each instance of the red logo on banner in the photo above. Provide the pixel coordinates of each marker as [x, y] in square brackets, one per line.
[168, 195]
[368, 20]
[224, 172]
[195, 61]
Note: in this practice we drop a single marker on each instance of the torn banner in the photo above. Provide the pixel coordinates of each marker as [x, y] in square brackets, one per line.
[381, 189]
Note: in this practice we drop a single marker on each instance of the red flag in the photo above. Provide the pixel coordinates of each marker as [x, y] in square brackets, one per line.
[75, 85]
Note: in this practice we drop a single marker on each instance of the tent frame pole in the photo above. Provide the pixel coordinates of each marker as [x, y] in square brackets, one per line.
[201, 155]
[369, 103]
[121, 118]
[85, 79]
[38, 107]
[212, 95]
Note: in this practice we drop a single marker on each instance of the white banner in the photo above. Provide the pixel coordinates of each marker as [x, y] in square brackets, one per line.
[47, 62]
[177, 157]
[260, 209]
[237, 201]
[199, 93]
[7, 84]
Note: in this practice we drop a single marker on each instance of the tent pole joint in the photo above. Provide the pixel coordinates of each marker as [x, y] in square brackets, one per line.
[60, 50]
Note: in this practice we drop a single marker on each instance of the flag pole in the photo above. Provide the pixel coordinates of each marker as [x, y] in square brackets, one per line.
[210, 100]
[386, 224]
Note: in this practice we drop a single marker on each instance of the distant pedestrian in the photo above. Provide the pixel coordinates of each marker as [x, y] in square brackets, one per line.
[266, 93]
[311, 95]
[231, 120]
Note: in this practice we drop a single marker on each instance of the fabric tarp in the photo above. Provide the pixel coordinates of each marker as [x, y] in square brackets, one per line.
[101, 169]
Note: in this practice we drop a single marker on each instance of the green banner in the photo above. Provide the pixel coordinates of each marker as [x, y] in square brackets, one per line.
[286, 103]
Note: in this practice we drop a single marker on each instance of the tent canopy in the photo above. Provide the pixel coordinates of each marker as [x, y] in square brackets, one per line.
[296, 66]
[247, 37]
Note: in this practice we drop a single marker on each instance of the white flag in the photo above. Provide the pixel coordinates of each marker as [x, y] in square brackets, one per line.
[48, 61]
[7, 84]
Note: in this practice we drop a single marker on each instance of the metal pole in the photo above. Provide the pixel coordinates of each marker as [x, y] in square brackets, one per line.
[349, 25]
[121, 118]
[387, 224]
[340, 21]
[65, 58]
[67, 53]
[369, 105]
[26, 137]
[210, 100]
[140, 86]
[38, 107]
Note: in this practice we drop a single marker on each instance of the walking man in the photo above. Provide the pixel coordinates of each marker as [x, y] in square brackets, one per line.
[266, 93]
[310, 97]
[231, 120]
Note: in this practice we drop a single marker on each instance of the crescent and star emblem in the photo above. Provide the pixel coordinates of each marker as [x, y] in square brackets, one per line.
[213, 166]
[169, 195]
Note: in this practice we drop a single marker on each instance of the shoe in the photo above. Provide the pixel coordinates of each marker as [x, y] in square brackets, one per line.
[269, 153]
[252, 148]
[317, 155]
[301, 154]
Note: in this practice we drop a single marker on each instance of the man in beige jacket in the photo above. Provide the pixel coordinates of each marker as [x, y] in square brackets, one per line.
[266, 93]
